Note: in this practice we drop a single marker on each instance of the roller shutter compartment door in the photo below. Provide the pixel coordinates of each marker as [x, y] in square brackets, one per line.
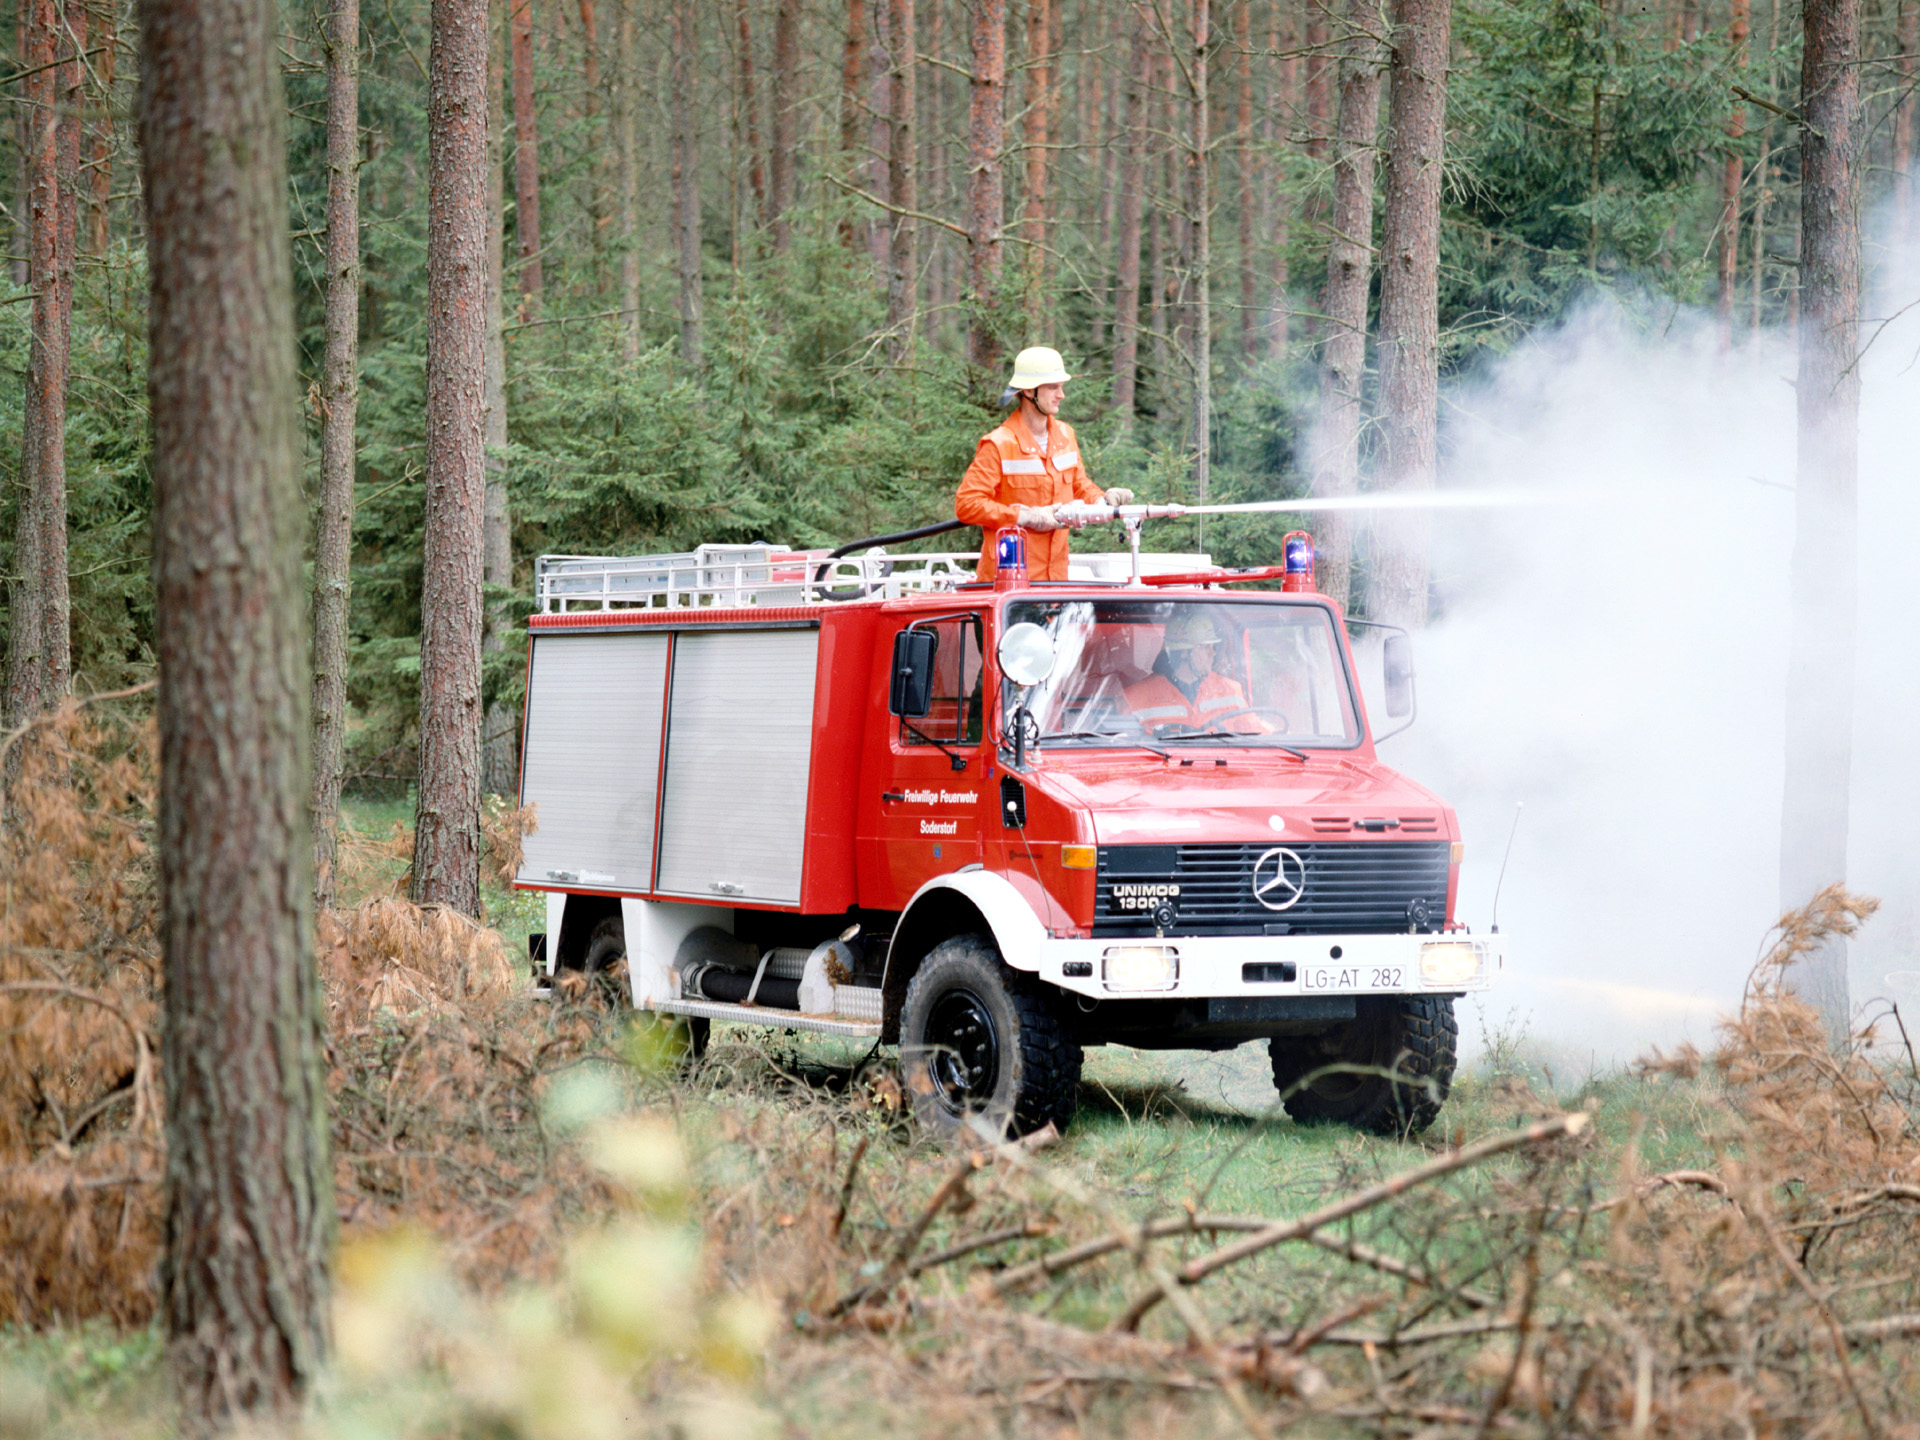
[739, 742]
[593, 759]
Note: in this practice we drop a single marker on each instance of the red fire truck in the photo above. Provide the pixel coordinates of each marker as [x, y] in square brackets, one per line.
[995, 824]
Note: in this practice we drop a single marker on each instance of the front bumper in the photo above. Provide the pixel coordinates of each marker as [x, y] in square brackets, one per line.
[1280, 965]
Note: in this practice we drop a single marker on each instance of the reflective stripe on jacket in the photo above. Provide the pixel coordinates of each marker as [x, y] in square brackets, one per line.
[1157, 701]
[1009, 471]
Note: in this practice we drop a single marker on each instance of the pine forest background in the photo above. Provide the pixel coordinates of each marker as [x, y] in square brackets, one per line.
[737, 307]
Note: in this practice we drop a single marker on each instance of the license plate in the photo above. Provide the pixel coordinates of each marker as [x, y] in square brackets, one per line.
[1349, 979]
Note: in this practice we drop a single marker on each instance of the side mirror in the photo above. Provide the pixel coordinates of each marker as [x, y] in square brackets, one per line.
[1397, 659]
[910, 695]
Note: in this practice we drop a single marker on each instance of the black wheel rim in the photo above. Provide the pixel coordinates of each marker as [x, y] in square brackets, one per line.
[963, 1051]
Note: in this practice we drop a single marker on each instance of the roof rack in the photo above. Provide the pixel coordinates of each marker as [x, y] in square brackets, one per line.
[767, 574]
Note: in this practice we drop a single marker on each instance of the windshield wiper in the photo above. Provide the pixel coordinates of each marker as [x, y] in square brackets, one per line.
[1129, 742]
[1248, 739]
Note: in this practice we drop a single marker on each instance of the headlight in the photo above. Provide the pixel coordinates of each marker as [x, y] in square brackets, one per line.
[1449, 962]
[1140, 967]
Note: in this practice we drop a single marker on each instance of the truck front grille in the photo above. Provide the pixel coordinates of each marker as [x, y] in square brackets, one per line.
[1350, 888]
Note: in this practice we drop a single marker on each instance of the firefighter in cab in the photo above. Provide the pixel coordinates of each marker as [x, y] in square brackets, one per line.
[1187, 690]
[1029, 465]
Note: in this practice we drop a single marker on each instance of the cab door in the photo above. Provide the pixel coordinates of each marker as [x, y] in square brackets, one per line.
[923, 816]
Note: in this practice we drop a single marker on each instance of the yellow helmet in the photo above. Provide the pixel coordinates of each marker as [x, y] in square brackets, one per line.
[1189, 627]
[1038, 366]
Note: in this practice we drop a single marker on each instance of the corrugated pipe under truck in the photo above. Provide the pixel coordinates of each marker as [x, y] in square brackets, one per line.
[865, 795]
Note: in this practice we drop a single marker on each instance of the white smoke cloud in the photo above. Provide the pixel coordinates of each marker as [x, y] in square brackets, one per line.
[1619, 666]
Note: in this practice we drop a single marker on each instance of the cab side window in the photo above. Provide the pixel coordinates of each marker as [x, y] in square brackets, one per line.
[955, 716]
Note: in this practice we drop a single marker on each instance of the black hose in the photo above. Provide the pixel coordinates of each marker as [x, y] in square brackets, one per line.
[922, 533]
[732, 986]
[858, 592]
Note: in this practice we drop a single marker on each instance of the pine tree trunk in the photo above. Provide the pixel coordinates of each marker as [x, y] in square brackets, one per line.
[1200, 188]
[786, 101]
[340, 400]
[1158, 279]
[596, 166]
[1248, 157]
[1278, 207]
[903, 257]
[1320, 66]
[1041, 89]
[56, 610]
[38, 663]
[853, 70]
[1336, 460]
[986, 201]
[526, 157]
[627, 120]
[446, 848]
[1409, 296]
[1820, 672]
[1730, 180]
[1133, 174]
[879, 180]
[100, 159]
[1909, 68]
[686, 177]
[750, 109]
[500, 729]
[244, 1285]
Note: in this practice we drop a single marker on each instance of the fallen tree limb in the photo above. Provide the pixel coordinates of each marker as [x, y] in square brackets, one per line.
[1280, 1232]
[1201, 1224]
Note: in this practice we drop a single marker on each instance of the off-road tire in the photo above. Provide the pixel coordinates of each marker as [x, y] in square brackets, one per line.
[1035, 1056]
[1408, 1044]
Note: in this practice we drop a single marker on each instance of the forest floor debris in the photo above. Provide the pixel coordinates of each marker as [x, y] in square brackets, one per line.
[553, 1223]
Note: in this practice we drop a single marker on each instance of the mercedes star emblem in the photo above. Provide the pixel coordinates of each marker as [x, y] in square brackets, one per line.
[1279, 878]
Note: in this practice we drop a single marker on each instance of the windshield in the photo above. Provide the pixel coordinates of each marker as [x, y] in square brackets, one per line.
[1187, 672]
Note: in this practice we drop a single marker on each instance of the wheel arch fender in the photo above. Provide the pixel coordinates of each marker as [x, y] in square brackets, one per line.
[965, 902]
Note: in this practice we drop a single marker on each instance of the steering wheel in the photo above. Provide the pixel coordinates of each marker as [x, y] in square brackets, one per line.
[1213, 721]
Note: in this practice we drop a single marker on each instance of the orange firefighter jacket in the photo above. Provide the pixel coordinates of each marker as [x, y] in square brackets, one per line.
[1157, 701]
[1009, 471]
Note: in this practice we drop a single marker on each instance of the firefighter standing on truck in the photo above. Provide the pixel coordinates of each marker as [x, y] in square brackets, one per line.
[1029, 465]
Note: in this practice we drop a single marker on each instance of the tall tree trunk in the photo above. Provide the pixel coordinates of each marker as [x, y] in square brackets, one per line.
[500, 728]
[1133, 173]
[686, 177]
[100, 158]
[853, 70]
[1158, 279]
[903, 275]
[446, 848]
[1278, 205]
[1409, 295]
[1730, 180]
[526, 157]
[627, 121]
[597, 216]
[1200, 188]
[1249, 159]
[879, 146]
[1336, 459]
[339, 401]
[786, 117]
[1041, 90]
[250, 1227]
[1820, 679]
[1909, 69]
[986, 201]
[750, 109]
[40, 660]
[1320, 65]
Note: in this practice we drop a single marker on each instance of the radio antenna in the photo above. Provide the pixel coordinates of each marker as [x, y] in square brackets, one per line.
[1519, 805]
